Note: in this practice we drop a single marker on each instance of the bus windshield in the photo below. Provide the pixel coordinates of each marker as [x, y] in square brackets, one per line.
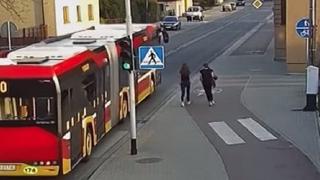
[27, 100]
[26, 108]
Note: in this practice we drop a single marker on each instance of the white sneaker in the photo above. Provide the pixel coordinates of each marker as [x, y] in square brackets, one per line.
[182, 104]
[189, 102]
[210, 103]
[213, 102]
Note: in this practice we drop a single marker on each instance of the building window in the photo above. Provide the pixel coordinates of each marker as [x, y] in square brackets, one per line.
[79, 13]
[90, 12]
[66, 19]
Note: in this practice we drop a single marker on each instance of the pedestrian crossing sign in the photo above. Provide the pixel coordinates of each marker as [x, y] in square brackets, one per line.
[151, 57]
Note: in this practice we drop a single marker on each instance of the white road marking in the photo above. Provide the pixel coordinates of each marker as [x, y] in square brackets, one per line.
[240, 41]
[201, 37]
[226, 133]
[256, 129]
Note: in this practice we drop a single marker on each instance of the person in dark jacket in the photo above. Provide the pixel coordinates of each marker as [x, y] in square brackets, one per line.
[185, 83]
[163, 35]
[208, 82]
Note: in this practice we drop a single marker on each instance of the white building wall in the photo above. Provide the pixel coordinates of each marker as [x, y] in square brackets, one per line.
[176, 6]
[74, 25]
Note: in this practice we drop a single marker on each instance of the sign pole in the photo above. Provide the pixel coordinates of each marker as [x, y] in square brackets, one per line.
[307, 51]
[9, 36]
[312, 71]
[133, 128]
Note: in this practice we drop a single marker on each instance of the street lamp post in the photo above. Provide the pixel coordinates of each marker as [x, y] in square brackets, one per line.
[133, 128]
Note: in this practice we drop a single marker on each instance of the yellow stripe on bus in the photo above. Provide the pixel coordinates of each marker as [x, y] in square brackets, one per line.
[22, 169]
[66, 165]
[108, 126]
[145, 93]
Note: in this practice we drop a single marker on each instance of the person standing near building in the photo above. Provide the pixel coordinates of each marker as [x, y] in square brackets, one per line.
[185, 83]
[208, 82]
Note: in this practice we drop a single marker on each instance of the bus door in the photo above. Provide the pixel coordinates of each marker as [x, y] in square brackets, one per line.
[107, 101]
[72, 119]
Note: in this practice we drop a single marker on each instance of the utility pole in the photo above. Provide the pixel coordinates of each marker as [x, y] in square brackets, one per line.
[147, 10]
[9, 35]
[133, 128]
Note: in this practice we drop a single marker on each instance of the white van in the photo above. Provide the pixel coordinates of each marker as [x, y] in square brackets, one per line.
[195, 13]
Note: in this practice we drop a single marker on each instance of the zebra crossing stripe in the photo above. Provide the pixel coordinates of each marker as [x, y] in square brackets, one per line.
[226, 133]
[256, 129]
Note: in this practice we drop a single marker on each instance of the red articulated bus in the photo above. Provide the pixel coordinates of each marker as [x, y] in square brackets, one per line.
[59, 98]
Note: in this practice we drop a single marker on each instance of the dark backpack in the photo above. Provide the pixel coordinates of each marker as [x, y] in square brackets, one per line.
[165, 36]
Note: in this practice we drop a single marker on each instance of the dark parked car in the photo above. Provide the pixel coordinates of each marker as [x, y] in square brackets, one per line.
[241, 2]
[171, 22]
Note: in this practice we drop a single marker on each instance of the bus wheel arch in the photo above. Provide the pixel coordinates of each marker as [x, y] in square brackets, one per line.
[88, 142]
[125, 106]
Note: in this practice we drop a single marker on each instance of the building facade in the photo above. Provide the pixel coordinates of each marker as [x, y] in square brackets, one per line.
[288, 45]
[63, 17]
[59, 16]
[30, 14]
[174, 7]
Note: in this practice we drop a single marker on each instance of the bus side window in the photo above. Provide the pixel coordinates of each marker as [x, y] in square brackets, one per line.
[90, 87]
[65, 104]
[107, 84]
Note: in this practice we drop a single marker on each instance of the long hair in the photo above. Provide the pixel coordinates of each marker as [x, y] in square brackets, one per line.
[184, 70]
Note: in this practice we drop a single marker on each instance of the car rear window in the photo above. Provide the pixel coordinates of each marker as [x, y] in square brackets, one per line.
[193, 9]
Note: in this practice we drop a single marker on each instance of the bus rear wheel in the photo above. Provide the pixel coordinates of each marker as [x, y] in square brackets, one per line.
[89, 144]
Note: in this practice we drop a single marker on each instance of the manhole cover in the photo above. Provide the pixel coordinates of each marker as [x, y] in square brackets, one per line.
[148, 160]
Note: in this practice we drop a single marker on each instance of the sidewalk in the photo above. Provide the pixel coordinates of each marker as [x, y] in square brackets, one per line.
[170, 146]
[280, 108]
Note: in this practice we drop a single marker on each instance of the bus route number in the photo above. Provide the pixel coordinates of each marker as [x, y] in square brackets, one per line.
[30, 170]
[3, 87]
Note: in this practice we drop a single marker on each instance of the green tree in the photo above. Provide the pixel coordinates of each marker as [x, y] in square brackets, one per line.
[115, 9]
[205, 2]
[112, 9]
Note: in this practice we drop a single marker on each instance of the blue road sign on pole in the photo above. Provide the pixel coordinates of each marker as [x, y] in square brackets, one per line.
[303, 28]
[151, 57]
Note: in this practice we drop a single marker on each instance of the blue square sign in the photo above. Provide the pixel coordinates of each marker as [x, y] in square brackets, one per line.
[151, 57]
